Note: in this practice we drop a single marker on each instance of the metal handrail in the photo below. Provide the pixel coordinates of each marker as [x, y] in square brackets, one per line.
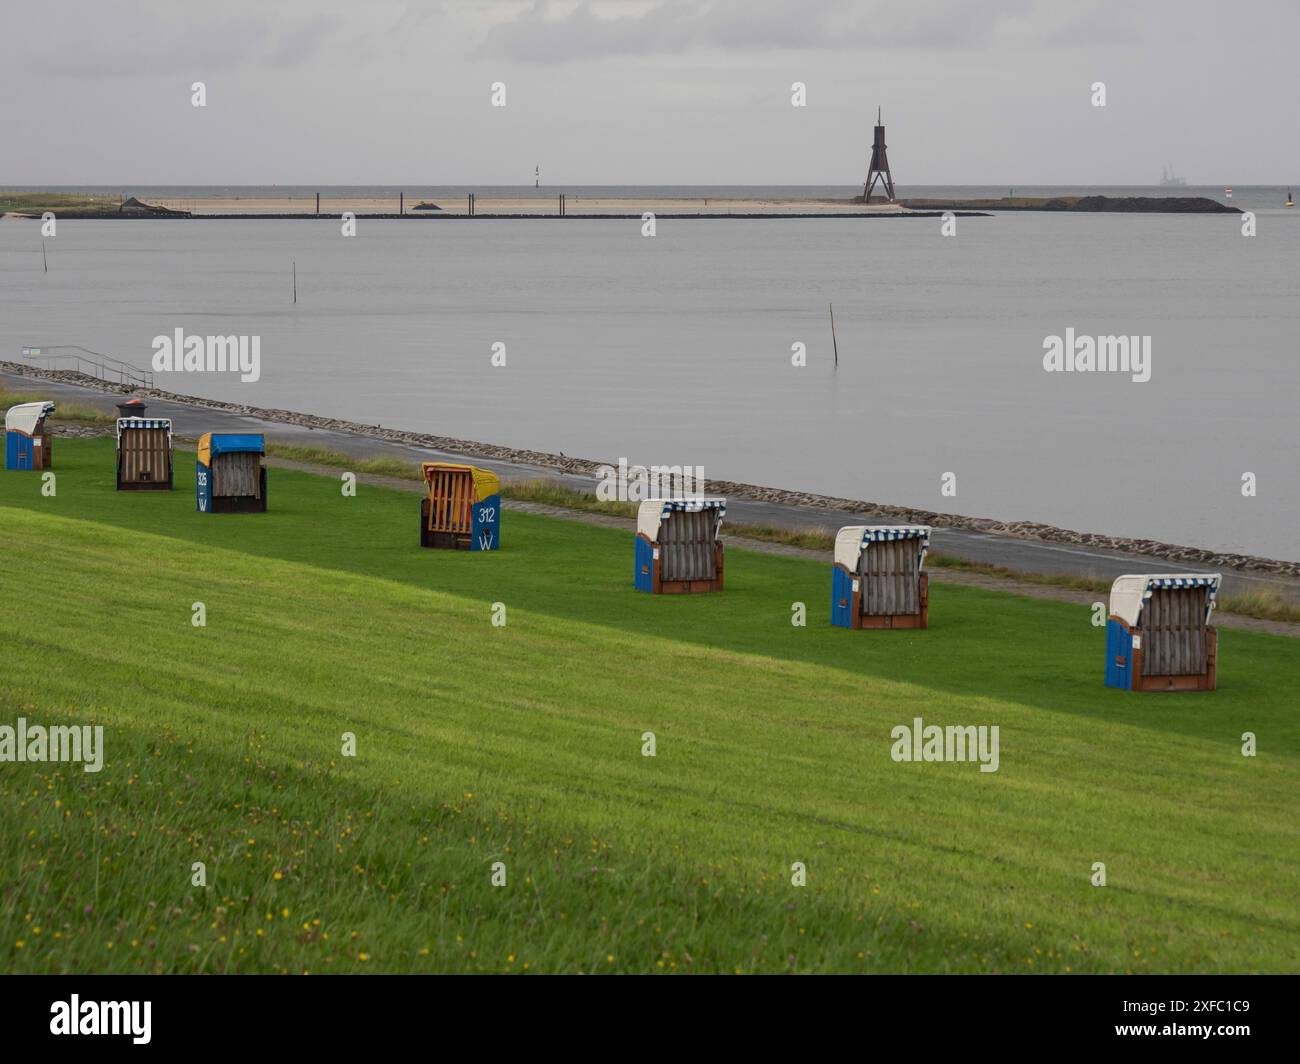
[107, 368]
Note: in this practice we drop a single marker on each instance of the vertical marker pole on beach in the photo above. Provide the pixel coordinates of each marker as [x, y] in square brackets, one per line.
[295, 280]
[834, 343]
[317, 204]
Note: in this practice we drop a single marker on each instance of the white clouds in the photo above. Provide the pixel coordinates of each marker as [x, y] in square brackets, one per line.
[140, 39]
[550, 32]
[641, 91]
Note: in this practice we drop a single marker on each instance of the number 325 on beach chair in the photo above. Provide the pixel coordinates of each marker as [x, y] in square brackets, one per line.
[463, 508]
[229, 476]
[877, 580]
[1158, 636]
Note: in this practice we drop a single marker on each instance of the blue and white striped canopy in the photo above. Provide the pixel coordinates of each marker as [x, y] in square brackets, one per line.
[653, 512]
[691, 506]
[144, 423]
[1129, 594]
[852, 540]
[883, 534]
[1155, 583]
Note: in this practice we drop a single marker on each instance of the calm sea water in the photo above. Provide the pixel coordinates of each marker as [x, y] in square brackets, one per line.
[676, 349]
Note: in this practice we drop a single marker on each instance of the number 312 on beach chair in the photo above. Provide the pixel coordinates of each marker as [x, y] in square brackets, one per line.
[463, 508]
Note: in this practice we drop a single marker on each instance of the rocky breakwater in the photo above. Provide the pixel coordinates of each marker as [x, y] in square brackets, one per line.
[1080, 204]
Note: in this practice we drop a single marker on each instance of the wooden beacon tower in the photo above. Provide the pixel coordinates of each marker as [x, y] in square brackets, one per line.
[878, 170]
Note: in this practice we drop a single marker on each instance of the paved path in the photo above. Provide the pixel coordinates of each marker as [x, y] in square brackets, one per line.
[1022, 555]
[938, 576]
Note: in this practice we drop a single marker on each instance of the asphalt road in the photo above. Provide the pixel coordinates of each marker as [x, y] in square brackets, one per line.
[1030, 556]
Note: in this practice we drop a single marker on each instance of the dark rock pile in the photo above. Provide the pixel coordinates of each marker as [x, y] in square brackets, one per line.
[1151, 204]
[136, 207]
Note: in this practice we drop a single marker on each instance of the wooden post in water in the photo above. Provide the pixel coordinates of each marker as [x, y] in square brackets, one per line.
[295, 280]
[43, 258]
[834, 344]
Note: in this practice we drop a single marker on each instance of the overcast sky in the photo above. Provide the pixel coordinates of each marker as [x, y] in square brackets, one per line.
[646, 91]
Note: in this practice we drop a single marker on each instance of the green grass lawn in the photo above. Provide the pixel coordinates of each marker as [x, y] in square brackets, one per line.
[62, 412]
[64, 204]
[522, 745]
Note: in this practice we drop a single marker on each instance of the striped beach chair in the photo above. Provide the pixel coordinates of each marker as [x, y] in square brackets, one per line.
[144, 454]
[1158, 635]
[877, 580]
[27, 436]
[678, 545]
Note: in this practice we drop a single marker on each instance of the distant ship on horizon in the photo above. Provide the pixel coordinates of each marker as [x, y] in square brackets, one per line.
[1168, 179]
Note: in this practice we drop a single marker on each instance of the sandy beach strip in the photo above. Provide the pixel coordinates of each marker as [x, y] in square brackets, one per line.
[575, 206]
